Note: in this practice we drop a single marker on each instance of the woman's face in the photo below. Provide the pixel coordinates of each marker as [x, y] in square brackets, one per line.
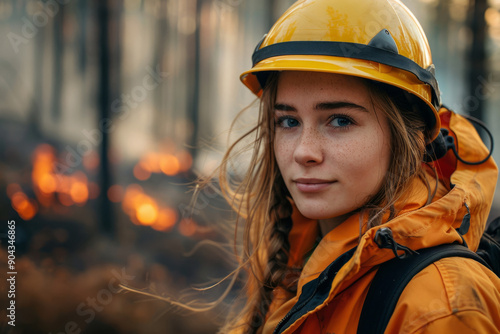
[331, 144]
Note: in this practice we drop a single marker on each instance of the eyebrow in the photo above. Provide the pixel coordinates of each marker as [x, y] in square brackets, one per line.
[322, 106]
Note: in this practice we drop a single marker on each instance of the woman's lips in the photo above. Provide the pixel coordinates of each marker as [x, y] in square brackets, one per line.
[312, 185]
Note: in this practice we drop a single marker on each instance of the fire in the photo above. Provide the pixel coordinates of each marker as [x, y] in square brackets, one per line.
[50, 186]
[42, 175]
[26, 208]
[169, 163]
[147, 213]
[166, 220]
[47, 183]
[151, 162]
[142, 209]
[68, 189]
[133, 195]
[79, 192]
[145, 210]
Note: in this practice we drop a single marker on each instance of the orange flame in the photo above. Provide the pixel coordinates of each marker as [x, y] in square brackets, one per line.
[25, 207]
[166, 220]
[147, 213]
[75, 189]
[79, 192]
[144, 210]
[49, 185]
[169, 164]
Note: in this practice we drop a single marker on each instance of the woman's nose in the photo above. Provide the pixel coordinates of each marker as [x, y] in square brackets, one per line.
[308, 150]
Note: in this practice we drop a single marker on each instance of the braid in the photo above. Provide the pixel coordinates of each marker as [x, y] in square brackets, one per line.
[268, 222]
[278, 251]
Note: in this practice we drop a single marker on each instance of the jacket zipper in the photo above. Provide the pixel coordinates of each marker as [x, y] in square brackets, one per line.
[334, 266]
[297, 308]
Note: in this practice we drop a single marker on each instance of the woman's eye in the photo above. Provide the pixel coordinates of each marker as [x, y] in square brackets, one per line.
[287, 122]
[340, 121]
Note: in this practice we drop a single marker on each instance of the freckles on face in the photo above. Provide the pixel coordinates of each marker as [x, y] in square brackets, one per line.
[331, 144]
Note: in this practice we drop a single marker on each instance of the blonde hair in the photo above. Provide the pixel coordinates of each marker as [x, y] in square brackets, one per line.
[261, 198]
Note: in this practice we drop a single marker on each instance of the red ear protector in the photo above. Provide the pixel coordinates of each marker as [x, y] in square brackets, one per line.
[444, 142]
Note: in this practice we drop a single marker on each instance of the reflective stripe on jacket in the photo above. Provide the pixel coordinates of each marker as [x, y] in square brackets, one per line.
[453, 295]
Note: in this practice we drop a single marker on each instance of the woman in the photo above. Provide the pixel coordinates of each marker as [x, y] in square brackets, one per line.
[349, 104]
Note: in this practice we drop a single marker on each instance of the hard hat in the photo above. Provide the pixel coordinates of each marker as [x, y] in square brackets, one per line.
[379, 40]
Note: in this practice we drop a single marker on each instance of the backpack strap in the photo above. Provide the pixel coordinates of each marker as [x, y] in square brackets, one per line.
[489, 251]
[391, 279]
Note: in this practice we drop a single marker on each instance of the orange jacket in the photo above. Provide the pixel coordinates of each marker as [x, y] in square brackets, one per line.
[453, 295]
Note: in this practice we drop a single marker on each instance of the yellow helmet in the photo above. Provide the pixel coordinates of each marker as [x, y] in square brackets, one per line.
[379, 40]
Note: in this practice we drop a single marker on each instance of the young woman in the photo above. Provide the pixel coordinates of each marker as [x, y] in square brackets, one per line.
[349, 104]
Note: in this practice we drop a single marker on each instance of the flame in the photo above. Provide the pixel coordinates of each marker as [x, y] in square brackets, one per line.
[145, 210]
[26, 208]
[169, 164]
[133, 193]
[30, 211]
[147, 213]
[19, 201]
[50, 185]
[79, 192]
[166, 220]
[42, 175]
[151, 162]
[47, 183]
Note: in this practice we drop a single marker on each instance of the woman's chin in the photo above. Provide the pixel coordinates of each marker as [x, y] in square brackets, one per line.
[316, 215]
[325, 216]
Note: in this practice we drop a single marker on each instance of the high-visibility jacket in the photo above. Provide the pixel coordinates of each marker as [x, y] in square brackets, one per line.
[453, 295]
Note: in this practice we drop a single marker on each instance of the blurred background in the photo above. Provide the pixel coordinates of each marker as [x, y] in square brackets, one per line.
[109, 109]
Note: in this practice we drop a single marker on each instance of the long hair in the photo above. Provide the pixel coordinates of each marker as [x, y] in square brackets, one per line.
[408, 135]
[261, 198]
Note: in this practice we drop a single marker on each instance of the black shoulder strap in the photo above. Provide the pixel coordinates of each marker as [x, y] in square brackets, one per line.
[391, 279]
[489, 251]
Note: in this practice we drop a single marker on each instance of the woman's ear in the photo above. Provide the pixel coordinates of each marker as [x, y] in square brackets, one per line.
[438, 148]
